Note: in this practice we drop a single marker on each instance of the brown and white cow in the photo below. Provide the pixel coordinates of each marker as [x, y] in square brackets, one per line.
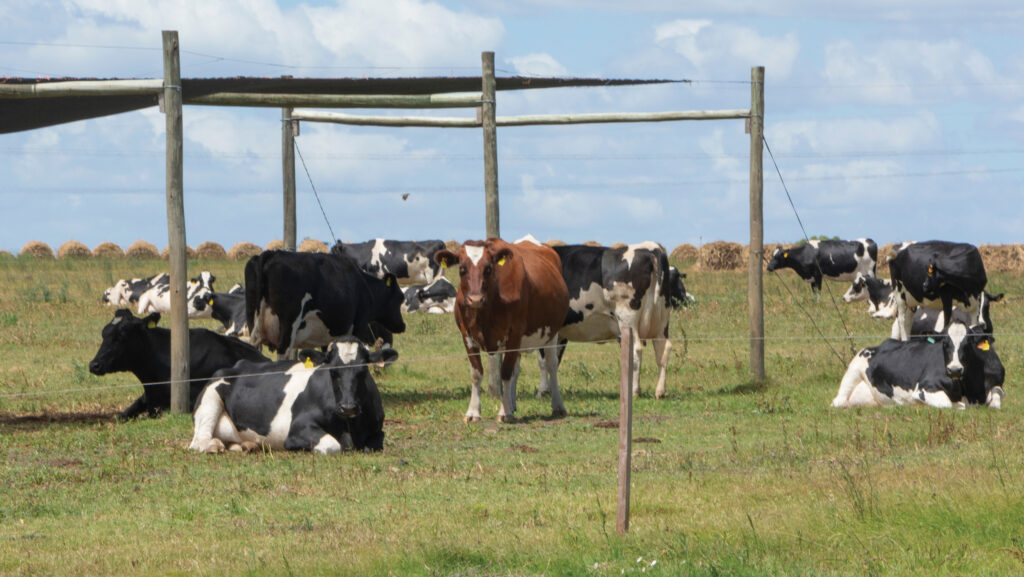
[511, 297]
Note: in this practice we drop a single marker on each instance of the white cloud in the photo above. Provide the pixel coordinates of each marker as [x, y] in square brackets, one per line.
[581, 209]
[709, 46]
[909, 133]
[537, 64]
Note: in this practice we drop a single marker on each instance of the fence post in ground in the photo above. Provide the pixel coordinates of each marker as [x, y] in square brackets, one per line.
[489, 121]
[288, 127]
[755, 286]
[176, 225]
[625, 427]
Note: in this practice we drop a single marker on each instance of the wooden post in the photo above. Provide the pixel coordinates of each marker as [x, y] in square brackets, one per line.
[487, 115]
[755, 287]
[288, 176]
[625, 427]
[176, 225]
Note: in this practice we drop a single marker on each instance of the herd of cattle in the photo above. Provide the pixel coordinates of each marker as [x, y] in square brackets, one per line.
[330, 316]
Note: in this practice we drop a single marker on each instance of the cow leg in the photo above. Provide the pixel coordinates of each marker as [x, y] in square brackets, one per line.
[947, 311]
[662, 348]
[135, 409]
[313, 438]
[551, 368]
[855, 377]
[476, 374]
[937, 398]
[638, 350]
[545, 375]
[207, 418]
[494, 362]
[904, 318]
[509, 366]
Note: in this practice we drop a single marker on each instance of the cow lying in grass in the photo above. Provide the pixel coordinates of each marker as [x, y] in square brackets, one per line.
[326, 404]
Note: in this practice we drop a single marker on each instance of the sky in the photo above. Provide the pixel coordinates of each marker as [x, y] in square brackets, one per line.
[889, 120]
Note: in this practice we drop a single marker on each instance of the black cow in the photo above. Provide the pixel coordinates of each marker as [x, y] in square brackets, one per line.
[837, 260]
[613, 288]
[301, 300]
[877, 291]
[437, 297]
[327, 404]
[411, 261]
[138, 346]
[934, 273]
[956, 368]
[228, 308]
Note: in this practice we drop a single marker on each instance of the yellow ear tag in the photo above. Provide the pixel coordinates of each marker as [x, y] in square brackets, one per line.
[387, 281]
[501, 261]
[785, 255]
[444, 263]
[309, 363]
[150, 325]
[210, 302]
[983, 345]
[931, 270]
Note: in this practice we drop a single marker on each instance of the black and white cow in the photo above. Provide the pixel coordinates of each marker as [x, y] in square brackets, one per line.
[937, 273]
[877, 291]
[138, 346]
[437, 297]
[928, 321]
[296, 300]
[325, 405]
[228, 308]
[837, 260]
[951, 369]
[613, 288]
[157, 299]
[677, 295]
[411, 261]
[127, 292]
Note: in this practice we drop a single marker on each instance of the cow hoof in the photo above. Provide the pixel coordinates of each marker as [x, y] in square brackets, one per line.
[559, 414]
[542, 394]
[214, 447]
[659, 395]
[249, 447]
[471, 418]
[506, 419]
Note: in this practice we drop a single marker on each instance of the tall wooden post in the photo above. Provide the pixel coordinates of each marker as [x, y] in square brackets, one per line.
[288, 176]
[755, 286]
[625, 427]
[176, 225]
[488, 119]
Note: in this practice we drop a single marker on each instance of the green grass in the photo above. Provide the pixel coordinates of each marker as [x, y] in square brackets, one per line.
[729, 477]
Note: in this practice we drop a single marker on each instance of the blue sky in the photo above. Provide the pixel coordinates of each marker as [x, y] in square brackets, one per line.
[893, 120]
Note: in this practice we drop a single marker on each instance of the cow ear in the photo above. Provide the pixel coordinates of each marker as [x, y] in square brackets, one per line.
[312, 356]
[384, 357]
[445, 258]
[152, 320]
[502, 257]
[390, 281]
[996, 298]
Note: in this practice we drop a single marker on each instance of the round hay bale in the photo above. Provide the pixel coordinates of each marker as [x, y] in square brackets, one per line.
[73, 249]
[591, 243]
[684, 252]
[619, 245]
[107, 250]
[141, 249]
[6, 254]
[555, 242]
[312, 245]
[277, 244]
[721, 255]
[36, 249]
[190, 253]
[885, 254]
[244, 251]
[1002, 257]
[452, 245]
[211, 251]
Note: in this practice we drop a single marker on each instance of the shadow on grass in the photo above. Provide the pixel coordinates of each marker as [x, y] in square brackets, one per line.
[34, 422]
[746, 388]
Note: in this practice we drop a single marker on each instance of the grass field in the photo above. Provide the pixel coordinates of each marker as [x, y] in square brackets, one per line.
[729, 478]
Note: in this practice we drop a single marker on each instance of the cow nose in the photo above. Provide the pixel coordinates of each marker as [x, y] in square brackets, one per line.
[955, 372]
[94, 367]
[475, 301]
[348, 411]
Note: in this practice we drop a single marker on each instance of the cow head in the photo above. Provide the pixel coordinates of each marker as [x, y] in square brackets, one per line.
[971, 358]
[488, 271]
[390, 314]
[780, 259]
[348, 361]
[858, 291]
[677, 296]
[121, 338]
[436, 291]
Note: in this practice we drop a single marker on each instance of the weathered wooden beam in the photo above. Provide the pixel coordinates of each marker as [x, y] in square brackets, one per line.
[455, 100]
[534, 120]
[360, 120]
[82, 88]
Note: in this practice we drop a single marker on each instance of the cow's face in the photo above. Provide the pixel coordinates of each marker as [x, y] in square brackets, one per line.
[858, 291]
[120, 339]
[676, 289]
[481, 272]
[779, 259]
[394, 298]
[437, 291]
[349, 363]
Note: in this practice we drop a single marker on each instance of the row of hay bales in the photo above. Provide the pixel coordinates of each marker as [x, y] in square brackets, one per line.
[714, 256]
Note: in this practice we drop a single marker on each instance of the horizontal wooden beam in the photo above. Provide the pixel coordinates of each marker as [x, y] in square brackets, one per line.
[455, 100]
[535, 120]
[81, 88]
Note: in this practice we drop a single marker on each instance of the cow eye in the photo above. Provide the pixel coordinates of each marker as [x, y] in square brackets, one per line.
[462, 269]
[487, 270]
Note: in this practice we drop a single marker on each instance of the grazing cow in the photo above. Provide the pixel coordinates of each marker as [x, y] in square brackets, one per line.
[877, 291]
[437, 297]
[126, 292]
[614, 288]
[408, 260]
[837, 260]
[510, 297]
[928, 321]
[294, 406]
[138, 346]
[937, 272]
[956, 368]
[296, 300]
[677, 295]
[228, 308]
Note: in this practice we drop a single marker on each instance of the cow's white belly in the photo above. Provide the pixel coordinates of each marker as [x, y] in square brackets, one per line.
[282, 422]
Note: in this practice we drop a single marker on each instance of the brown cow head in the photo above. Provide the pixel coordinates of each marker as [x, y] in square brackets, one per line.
[487, 270]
